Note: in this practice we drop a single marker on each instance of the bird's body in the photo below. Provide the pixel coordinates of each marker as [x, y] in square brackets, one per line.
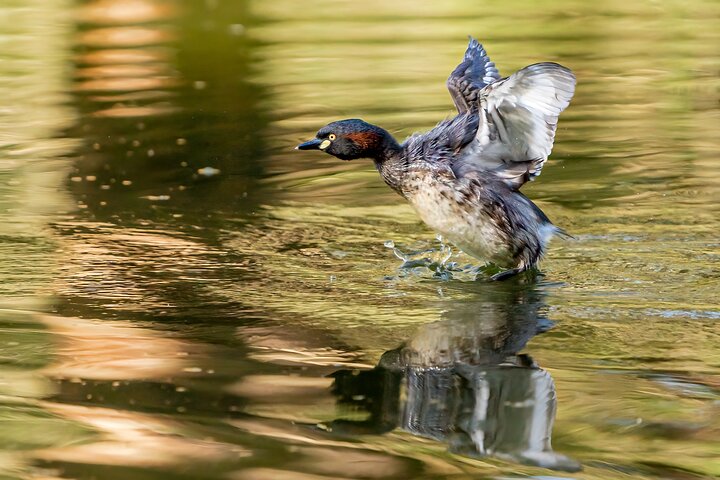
[463, 176]
[472, 212]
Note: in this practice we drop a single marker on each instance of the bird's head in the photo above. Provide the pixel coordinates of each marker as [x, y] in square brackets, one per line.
[351, 139]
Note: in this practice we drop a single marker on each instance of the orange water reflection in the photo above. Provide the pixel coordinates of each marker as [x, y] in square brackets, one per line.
[126, 57]
[116, 350]
[135, 439]
[125, 11]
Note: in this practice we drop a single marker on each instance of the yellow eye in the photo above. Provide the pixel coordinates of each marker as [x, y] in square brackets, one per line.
[332, 136]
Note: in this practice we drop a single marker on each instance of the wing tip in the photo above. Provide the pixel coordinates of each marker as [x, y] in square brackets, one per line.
[474, 45]
[554, 67]
[562, 78]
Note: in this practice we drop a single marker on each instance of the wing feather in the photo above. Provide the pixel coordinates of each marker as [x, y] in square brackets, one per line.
[474, 73]
[518, 117]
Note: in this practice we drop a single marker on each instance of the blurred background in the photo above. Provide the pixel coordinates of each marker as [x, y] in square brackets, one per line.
[184, 296]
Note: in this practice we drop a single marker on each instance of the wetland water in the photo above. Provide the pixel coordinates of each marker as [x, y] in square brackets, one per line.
[184, 296]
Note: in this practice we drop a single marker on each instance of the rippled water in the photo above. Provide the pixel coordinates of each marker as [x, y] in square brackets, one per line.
[184, 296]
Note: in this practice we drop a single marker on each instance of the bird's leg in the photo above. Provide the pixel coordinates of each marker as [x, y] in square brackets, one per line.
[498, 277]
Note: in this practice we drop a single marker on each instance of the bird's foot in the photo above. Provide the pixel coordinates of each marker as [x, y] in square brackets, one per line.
[498, 277]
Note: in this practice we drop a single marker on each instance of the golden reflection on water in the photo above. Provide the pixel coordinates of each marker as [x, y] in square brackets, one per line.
[118, 351]
[115, 37]
[241, 292]
[124, 56]
[293, 346]
[317, 453]
[132, 439]
[103, 12]
[125, 62]
[121, 352]
[34, 113]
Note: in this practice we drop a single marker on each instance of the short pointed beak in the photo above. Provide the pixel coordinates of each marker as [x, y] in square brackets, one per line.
[313, 144]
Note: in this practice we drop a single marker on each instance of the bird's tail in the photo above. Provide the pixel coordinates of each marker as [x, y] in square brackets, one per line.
[563, 234]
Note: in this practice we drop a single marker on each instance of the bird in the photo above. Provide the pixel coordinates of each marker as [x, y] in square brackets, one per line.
[463, 177]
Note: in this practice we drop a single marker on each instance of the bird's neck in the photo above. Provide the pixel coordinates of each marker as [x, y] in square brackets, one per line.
[392, 164]
[389, 149]
[377, 144]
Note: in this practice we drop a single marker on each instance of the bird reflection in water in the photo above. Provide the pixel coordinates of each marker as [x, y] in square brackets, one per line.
[462, 381]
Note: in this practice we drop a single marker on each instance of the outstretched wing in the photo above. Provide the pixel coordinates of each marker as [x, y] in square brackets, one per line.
[475, 72]
[518, 117]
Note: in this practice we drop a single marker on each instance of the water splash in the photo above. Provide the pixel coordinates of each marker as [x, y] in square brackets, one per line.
[440, 260]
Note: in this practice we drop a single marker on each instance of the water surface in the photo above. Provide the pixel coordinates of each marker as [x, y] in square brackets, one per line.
[184, 296]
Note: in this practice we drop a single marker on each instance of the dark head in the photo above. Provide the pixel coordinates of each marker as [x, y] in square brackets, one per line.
[351, 139]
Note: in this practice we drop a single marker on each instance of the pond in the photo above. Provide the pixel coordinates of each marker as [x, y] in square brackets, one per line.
[184, 296]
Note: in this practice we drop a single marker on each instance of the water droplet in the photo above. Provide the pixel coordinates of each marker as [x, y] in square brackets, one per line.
[157, 198]
[400, 255]
[208, 171]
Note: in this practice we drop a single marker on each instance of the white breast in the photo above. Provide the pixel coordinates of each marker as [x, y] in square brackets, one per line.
[448, 212]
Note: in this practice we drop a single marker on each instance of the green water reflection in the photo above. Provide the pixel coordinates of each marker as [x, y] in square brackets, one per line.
[186, 297]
